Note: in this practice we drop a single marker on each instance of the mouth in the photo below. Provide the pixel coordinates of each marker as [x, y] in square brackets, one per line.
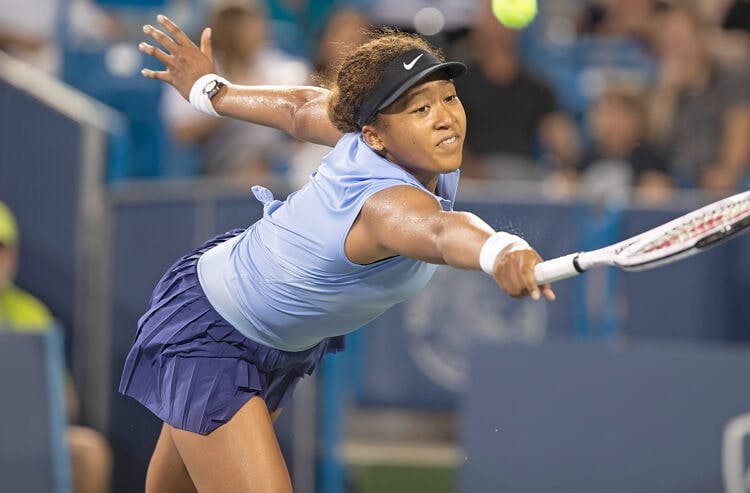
[449, 141]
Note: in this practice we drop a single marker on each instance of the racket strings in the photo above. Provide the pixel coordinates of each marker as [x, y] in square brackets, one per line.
[697, 226]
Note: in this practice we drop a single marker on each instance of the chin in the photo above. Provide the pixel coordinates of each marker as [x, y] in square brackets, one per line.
[453, 164]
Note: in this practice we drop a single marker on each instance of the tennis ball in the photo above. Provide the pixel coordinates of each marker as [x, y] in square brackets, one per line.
[515, 14]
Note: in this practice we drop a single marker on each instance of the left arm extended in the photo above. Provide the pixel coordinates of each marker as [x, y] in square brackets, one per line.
[406, 221]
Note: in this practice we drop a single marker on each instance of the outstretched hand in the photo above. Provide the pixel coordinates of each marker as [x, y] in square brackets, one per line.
[184, 61]
[514, 272]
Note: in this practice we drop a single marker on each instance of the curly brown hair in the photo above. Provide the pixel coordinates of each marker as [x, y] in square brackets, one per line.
[362, 69]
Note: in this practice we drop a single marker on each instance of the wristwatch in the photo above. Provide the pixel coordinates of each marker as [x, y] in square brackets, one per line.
[212, 88]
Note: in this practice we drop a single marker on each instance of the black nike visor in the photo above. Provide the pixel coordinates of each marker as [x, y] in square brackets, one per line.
[401, 74]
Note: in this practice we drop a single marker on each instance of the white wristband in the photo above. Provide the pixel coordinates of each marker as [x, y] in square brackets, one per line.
[200, 99]
[496, 244]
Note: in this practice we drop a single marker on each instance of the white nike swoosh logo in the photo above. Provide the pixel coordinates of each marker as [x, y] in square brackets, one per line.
[409, 66]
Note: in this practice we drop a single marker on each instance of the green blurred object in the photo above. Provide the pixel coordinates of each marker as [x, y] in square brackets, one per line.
[402, 479]
[8, 226]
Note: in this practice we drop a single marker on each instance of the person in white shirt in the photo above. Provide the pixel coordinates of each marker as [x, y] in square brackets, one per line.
[238, 151]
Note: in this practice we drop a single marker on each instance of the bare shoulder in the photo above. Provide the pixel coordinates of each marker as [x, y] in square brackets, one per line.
[400, 209]
[396, 212]
[399, 202]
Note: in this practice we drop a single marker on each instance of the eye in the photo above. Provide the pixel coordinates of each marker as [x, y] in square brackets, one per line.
[451, 98]
[421, 109]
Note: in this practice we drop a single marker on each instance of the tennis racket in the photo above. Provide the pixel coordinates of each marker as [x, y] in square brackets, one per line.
[680, 238]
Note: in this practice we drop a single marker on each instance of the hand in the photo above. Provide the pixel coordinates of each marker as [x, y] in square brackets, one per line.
[184, 62]
[514, 273]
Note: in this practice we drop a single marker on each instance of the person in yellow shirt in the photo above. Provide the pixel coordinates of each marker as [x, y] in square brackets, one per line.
[20, 311]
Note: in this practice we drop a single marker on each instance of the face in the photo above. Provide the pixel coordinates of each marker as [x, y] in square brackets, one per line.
[423, 131]
[251, 34]
[614, 120]
[8, 261]
[345, 32]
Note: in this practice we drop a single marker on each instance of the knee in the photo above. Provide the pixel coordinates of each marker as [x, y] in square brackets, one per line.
[91, 459]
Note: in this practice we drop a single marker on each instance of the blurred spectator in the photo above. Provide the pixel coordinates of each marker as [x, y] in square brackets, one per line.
[620, 18]
[346, 29]
[619, 156]
[298, 23]
[510, 111]
[699, 110]
[27, 31]
[91, 456]
[232, 149]
[30, 31]
[613, 46]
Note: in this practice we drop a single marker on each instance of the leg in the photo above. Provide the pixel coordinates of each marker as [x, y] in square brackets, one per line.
[242, 455]
[91, 460]
[166, 471]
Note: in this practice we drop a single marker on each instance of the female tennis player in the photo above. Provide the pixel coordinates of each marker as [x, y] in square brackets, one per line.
[233, 325]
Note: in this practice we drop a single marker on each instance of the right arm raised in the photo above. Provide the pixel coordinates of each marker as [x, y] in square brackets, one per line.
[299, 111]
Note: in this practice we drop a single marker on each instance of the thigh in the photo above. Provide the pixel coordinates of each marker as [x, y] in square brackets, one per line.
[242, 455]
[166, 471]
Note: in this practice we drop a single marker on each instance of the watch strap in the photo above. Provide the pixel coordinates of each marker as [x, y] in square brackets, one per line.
[200, 99]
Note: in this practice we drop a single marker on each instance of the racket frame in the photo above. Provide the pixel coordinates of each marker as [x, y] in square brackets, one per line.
[621, 254]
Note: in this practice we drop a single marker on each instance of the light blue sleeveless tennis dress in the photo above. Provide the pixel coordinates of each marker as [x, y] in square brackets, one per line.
[287, 283]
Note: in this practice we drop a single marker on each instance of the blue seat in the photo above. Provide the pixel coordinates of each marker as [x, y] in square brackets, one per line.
[33, 453]
[136, 97]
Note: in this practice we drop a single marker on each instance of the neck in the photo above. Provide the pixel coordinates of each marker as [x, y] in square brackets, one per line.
[427, 178]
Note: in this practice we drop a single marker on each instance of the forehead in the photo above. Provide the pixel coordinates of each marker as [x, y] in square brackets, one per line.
[432, 83]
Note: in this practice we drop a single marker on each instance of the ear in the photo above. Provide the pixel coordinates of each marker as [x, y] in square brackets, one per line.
[372, 137]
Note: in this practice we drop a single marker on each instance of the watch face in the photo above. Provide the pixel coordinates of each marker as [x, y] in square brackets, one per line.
[210, 86]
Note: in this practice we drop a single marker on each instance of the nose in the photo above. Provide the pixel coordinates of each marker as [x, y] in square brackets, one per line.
[444, 117]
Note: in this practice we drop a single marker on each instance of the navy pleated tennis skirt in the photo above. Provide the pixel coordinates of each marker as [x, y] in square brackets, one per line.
[194, 370]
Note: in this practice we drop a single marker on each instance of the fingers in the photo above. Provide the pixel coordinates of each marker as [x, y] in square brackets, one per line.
[153, 74]
[515, 274]
[160, 37]
[530, 279]
[527, 277]
[206, 47]
[154, 52]
[548, 293]
[179, 36]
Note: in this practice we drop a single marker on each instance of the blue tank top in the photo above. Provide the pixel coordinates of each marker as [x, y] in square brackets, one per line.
[286, 281]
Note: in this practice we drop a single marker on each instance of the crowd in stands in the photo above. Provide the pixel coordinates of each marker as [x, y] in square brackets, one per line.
[593, 97]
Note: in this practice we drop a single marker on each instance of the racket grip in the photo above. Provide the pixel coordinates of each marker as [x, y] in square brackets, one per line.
[556, 269]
